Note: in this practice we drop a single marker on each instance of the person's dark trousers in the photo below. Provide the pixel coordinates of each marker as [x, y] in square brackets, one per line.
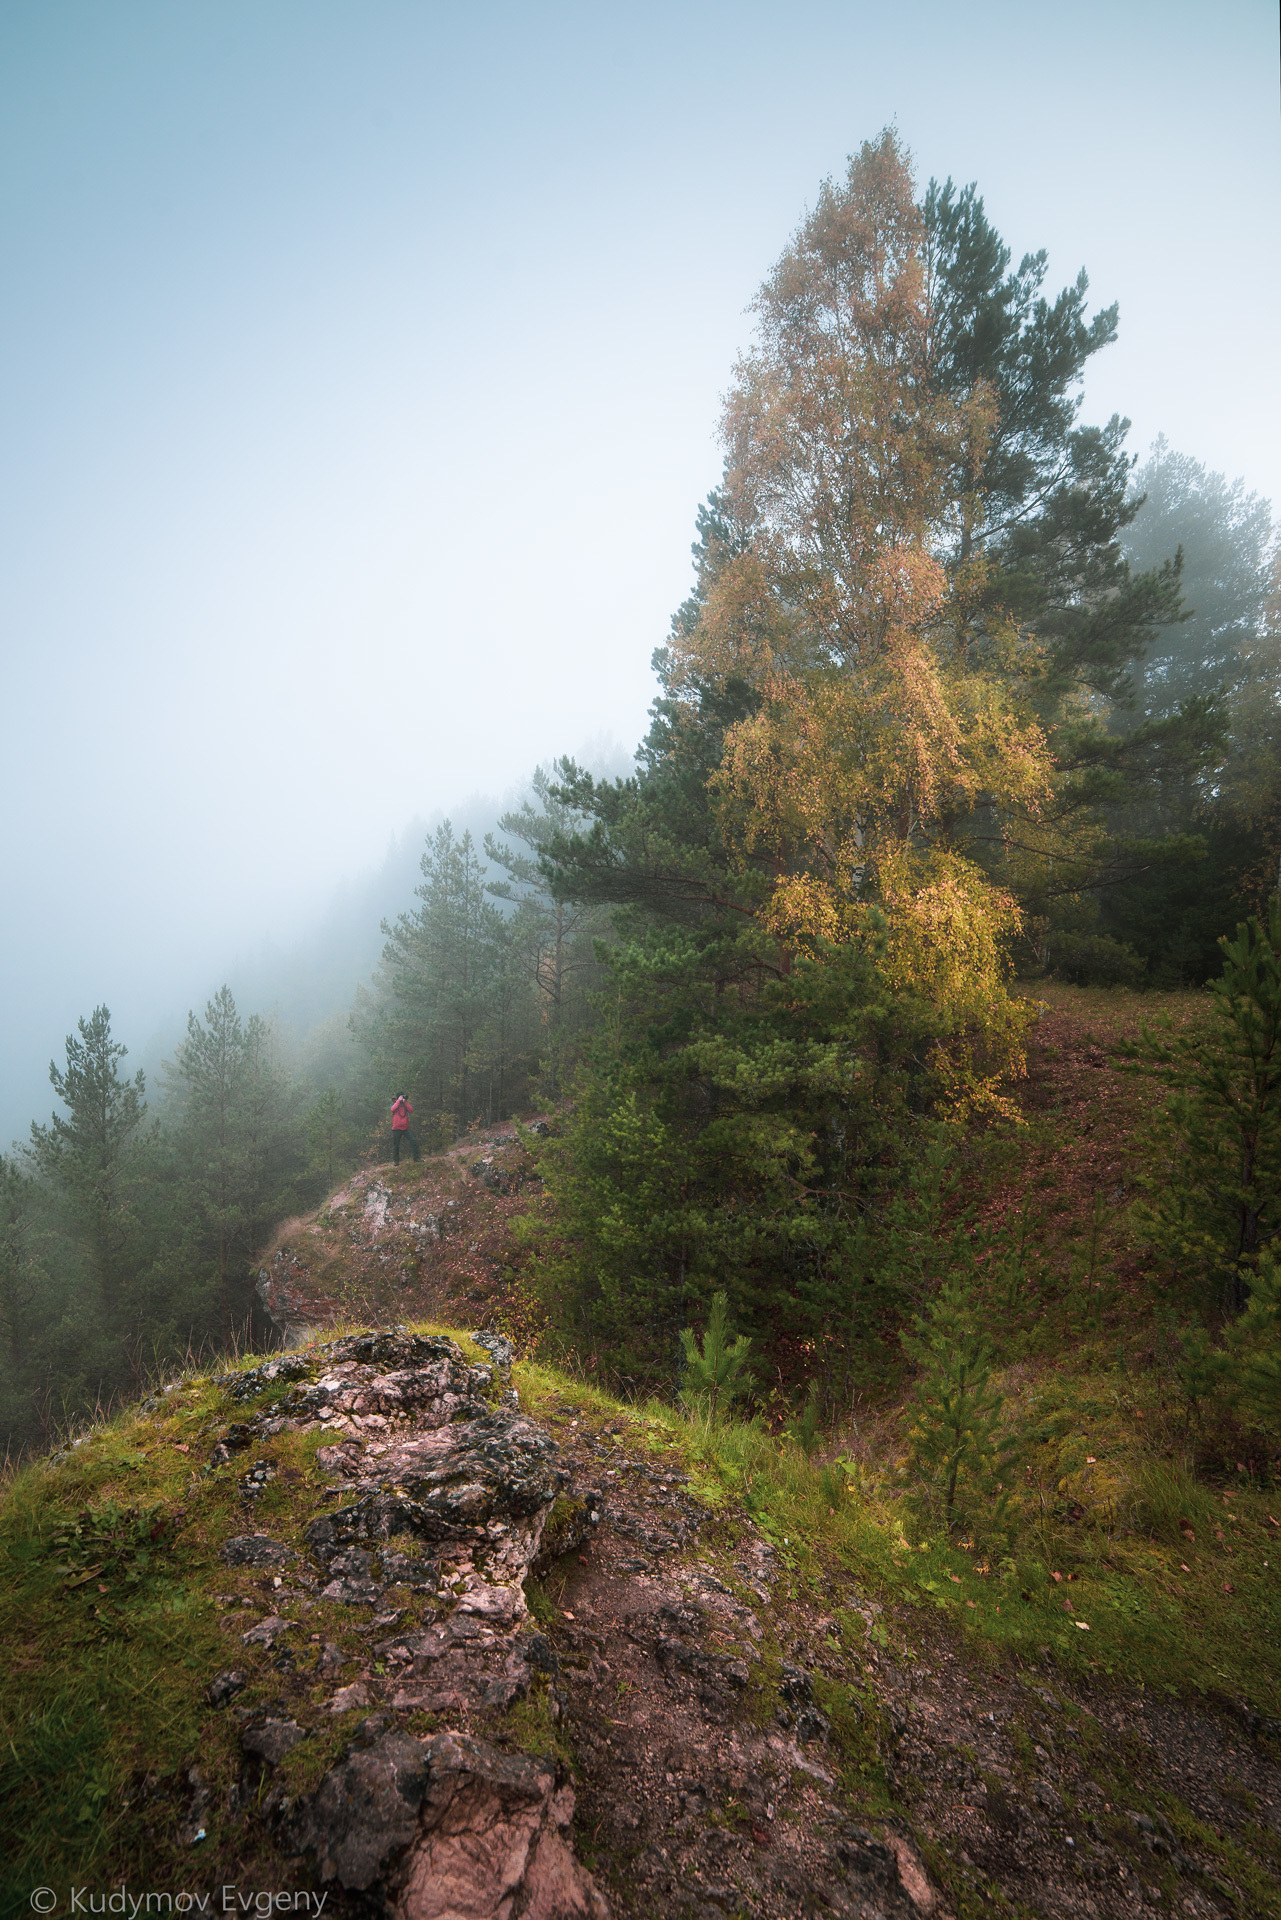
[397, 1135]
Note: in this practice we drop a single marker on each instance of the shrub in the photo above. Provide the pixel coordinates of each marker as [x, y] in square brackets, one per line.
[1216, 1202]
[1095, 960]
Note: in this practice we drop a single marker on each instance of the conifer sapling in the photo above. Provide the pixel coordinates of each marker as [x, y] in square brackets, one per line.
[718, 1372]
[955, 1446]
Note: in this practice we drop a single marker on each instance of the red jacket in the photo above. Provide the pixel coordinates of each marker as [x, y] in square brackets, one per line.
[400, 1112]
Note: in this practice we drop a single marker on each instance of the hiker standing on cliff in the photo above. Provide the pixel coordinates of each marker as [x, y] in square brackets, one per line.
[400, 1112]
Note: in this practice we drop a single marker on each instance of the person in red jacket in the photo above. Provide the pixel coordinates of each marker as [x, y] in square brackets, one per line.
[400, 1112]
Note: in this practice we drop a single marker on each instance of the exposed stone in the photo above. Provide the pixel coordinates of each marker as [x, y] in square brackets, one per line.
[451, 1828]
[498, 1347]
[491, 1603]
[271, 1740]
[239, 1435]
[267, 1631]
[197, 1800]
[912, 1876]
[812, 1725]
[488, 1482]
[224, 1687]
[795, 1686]
[352, 1593]
[356, 1695]
[255, 1380]
[494, 1841]
[256, 1550]
[365, 1811]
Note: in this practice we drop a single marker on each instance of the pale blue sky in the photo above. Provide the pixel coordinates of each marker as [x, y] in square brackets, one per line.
[360, 375]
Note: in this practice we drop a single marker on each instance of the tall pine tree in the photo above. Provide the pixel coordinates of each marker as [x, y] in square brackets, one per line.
[90, 1153]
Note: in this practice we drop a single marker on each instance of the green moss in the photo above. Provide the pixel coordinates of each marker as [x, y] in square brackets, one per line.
[562, 1524]
[111, 1611]
[532, 1727]
[857, 1737]
[540, 1603]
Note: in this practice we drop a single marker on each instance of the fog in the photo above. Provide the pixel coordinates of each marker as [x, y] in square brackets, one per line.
[360, 376]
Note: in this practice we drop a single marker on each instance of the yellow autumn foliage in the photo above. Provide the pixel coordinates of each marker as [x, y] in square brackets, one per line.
[887, 707]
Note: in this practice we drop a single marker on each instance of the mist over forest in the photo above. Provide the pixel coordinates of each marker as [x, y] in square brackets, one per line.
[642, 782]
[997, 703]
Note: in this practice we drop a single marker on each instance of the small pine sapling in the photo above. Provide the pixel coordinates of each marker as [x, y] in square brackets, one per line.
[718, 1372]
[1198, 1367]
[806, 1431]
[956, 1451]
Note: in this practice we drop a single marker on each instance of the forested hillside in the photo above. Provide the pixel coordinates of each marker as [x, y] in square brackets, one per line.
[963, 700]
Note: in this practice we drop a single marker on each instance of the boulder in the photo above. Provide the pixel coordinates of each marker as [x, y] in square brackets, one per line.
[448, 1829]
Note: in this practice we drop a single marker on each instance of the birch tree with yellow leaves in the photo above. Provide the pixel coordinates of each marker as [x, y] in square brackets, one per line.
[886, 710]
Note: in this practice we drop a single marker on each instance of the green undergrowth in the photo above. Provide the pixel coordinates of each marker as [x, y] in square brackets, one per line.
[116, 1613]
[1119, 1565]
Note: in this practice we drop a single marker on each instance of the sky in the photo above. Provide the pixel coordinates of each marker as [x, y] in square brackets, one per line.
[359, 381]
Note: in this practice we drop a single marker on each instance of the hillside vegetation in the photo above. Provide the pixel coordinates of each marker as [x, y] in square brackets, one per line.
[871, 1106]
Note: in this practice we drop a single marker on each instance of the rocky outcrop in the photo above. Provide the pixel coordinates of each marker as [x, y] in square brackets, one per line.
[417, 1241]
[449, 1829]
[438, 1489]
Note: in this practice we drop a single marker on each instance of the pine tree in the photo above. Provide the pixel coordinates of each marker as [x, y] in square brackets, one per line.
[440, 1026]
[1216, 1201]
[327, 1134]
[552, 937]
[1250, 1366]
[1225, 537]
[731, 1129]
[957, 1460]
[717, 1370]
[236, 1139]
[90, 1153]
[18, 1290]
